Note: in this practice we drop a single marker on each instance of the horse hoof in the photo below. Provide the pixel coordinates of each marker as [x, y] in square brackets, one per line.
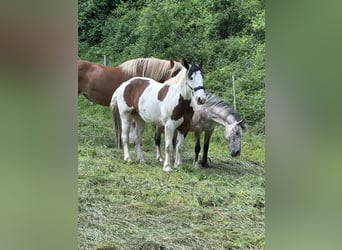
[159, 159]
[167, 169]
[205, 165]
[176, 166]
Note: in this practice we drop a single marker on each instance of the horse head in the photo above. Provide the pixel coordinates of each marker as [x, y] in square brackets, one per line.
[233, 135]
[194, 80]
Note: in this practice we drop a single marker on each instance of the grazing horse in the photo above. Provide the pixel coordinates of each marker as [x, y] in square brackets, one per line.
[214, 112]
[98, 83]
[168, 105]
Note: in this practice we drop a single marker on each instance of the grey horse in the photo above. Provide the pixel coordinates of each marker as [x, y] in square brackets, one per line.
[206, 117]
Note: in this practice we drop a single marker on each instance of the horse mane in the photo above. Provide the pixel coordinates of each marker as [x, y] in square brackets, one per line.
[214, 101]
[149, 67]
[181, 76]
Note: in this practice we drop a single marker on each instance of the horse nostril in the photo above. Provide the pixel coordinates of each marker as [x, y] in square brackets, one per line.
[235, 153]
[200, 100]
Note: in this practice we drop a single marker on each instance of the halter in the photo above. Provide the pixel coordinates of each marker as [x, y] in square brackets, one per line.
[196, 88]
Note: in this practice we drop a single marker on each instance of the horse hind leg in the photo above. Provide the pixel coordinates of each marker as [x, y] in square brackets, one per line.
[132, 132]
[157, 141]
[118, 130]
[169, 131]
[179, 149]
[125, 124]
[197, 147]
[207, 136]
[139, 129]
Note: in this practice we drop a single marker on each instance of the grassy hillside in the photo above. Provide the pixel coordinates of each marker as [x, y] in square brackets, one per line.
[138, 206]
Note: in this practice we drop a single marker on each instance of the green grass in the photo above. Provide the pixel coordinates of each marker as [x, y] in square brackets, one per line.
[139, 206]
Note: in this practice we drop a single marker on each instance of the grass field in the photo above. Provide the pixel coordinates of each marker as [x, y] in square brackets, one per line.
[139, 206]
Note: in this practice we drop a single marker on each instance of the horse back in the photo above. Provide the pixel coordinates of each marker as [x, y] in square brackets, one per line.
[99, 82]
[132, 90]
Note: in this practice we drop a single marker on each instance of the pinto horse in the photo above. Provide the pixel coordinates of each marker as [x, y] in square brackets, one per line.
[98, 83]
[168, 105]
[206, 117]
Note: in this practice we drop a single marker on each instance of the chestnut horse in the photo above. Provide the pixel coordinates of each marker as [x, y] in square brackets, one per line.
[98, 83]
[168, 104]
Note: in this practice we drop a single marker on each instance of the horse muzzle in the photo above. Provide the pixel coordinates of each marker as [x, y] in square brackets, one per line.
[235, 153]
[201, 100]
[200, 96]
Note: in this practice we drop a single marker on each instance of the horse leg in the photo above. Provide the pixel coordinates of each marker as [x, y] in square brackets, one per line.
[197, 147]
[157, 141]
[207, 136]
[139, 129]
[132, 132]
[179, 149]
[125, 124]
[169, 131]
[174, 142]
[118, 128]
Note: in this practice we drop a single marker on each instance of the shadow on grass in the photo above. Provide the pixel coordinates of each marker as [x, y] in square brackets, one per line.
[233, 167]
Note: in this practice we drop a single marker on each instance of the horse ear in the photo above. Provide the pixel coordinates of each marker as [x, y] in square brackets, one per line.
[200, 63]
[242, 123]
[172, 63]
[184, 63]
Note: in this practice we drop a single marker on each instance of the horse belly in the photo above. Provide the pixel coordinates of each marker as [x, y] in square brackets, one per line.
[201, 120]
[149, 110]
[202, 125]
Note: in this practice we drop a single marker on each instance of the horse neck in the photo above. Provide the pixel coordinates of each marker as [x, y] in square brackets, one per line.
[179, 84]
[220, 111]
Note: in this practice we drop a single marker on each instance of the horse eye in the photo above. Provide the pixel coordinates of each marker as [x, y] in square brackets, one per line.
[190, 78]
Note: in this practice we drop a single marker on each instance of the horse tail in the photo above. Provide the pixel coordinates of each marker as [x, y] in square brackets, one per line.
[117, 120]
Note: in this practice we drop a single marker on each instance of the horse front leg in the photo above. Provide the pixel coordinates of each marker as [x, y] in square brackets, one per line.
[207, 136]
[197, 147]
[157, 141]
[169, 131]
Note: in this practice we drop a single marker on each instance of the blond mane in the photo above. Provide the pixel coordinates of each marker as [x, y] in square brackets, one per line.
[180, 77]
[150, 67]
